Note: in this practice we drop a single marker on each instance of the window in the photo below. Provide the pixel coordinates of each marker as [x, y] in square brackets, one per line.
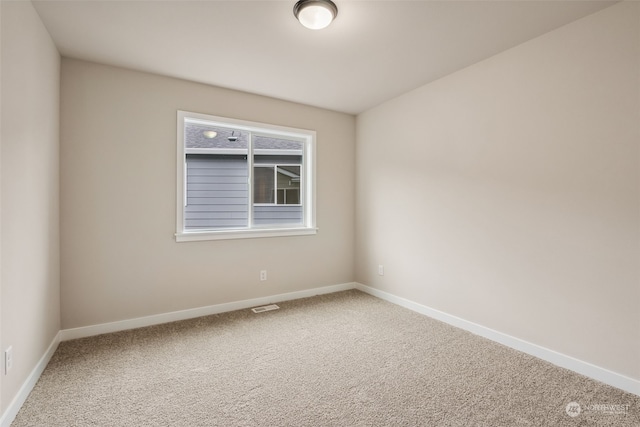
[276, 184]
[240, 179]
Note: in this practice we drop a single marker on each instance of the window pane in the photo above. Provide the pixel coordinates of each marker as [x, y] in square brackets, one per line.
[217, 192]
[263, 185]
[289, 183]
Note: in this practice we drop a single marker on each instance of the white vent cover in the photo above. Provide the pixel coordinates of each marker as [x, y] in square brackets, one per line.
[265, 308]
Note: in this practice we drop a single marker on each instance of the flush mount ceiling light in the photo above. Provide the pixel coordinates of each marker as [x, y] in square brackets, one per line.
[315, 14]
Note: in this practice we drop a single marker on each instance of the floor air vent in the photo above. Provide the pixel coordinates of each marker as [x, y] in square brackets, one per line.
[265, 308]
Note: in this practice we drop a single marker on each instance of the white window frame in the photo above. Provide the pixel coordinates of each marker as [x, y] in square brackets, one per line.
[307, 190]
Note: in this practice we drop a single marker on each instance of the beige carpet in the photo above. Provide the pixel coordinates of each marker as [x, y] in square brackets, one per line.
[345, 359]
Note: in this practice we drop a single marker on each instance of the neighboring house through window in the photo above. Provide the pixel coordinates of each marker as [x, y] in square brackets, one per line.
[242, 179]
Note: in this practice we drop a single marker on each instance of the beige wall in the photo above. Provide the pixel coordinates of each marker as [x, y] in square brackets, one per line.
[118, 201]
[30, 192]
[507, 193]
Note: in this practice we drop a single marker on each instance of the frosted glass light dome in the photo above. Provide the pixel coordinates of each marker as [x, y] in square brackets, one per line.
[315, 14]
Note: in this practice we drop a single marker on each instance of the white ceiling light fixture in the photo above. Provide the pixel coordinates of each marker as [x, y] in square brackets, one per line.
[315, 14]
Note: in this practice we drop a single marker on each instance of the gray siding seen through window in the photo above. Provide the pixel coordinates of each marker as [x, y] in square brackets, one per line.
[217, 192]
[277, 214]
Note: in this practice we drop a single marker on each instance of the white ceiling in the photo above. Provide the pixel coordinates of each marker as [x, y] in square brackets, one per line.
[373, 51]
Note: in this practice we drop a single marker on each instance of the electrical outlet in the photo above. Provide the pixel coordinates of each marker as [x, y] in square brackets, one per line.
[263, 275]
[381, 270]
[8, 359]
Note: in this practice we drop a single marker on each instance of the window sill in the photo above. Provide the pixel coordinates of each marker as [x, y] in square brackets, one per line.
[195, 236]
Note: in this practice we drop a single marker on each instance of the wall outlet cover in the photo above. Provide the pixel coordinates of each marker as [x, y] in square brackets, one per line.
[8, 359]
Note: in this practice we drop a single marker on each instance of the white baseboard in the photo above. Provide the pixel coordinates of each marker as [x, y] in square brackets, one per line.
[584, 368]
[12, 410]
[140, 322]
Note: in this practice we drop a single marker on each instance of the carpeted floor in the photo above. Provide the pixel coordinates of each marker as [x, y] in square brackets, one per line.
[344, 359]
